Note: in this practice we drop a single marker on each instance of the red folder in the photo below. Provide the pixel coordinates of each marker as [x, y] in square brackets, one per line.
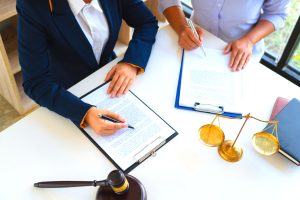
[279, 104]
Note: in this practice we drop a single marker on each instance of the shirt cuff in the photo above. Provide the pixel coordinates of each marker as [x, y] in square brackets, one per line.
[140, 69]
[83, 123]
[276, 20]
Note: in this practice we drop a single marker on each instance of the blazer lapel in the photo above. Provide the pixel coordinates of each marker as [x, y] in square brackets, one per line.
[106, 52]
[70, 29]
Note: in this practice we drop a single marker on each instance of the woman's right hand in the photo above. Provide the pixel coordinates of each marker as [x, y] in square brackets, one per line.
[101, 126]
[177, 20]
[188, 40]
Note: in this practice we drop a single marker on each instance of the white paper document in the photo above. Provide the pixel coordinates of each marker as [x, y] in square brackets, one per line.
[209, 80]
[128, 146]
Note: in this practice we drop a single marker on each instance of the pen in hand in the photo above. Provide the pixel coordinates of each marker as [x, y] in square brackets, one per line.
[191, 25]
[112, 120]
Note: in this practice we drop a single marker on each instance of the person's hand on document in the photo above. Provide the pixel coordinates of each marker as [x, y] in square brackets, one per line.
[188, 40]
[122, 76]
[241, 51]
[101, 126]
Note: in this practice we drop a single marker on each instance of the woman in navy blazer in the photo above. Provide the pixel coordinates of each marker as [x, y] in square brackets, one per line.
[55, 54]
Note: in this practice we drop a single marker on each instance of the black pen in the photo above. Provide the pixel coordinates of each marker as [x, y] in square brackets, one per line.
[112, 120]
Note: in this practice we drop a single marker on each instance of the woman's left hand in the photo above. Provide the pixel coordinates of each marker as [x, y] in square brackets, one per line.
[122, 76]
[241, 51]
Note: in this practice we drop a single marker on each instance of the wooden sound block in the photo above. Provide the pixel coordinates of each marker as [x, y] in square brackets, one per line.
[136, 191]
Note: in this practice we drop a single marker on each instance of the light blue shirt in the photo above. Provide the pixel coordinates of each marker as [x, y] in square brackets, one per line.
[231, 19]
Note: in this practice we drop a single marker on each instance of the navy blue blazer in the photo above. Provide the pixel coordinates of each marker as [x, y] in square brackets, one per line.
[55, 54]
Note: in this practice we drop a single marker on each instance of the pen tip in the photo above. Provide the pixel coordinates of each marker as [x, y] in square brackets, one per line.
[131, 127]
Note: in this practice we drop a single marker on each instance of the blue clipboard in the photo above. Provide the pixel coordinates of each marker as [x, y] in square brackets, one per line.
[219, 109]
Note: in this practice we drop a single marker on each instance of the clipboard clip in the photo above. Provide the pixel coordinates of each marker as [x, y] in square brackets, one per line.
[150, 149]
[209, 108]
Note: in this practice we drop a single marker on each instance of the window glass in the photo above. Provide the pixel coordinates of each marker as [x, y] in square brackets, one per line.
[275, 43]
[295, 60]
[188, 2]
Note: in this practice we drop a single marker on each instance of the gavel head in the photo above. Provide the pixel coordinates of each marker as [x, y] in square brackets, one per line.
[118, 182]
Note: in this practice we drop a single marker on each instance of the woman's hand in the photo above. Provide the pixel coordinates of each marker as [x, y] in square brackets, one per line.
[101, 126]
[188, 40]
[241, 51]
[123, 76]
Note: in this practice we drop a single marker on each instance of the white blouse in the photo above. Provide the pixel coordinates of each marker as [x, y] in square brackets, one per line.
[93, 23]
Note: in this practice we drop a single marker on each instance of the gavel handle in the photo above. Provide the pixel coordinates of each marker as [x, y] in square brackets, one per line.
[63, 184]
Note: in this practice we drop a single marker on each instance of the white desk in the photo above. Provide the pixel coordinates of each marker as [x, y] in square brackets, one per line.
[44, 146]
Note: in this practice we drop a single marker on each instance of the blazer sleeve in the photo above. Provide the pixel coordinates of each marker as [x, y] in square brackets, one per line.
[37, 78]
[138, 16]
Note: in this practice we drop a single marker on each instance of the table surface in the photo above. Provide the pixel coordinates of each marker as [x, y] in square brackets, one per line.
[45, 146]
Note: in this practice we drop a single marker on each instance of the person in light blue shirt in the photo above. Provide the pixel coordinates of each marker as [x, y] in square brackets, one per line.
[241, 23]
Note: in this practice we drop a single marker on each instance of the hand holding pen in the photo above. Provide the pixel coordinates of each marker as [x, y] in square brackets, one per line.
[105, 117]
[188, 39]
[104, 126]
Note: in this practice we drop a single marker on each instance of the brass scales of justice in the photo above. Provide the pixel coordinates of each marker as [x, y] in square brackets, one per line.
[263, 142]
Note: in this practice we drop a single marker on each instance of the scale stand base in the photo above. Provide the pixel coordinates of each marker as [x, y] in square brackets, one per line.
[230, 153]
[136, 191]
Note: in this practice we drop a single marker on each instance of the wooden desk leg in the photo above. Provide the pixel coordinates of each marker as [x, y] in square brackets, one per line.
[153, 6]
[125, 33]
[9, 89]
